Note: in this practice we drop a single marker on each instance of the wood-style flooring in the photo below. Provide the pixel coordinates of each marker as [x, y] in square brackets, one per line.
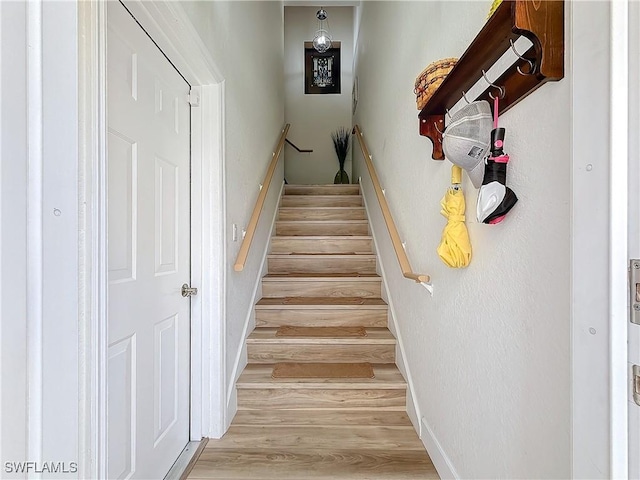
[316, 444]
[321, 273]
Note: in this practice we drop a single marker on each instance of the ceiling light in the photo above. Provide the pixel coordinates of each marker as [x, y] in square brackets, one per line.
[322, 38]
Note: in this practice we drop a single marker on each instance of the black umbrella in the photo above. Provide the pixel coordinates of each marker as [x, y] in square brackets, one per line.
[495, 198]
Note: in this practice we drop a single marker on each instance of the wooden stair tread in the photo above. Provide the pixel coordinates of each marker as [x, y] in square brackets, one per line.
[304, 277]
[320, 302]
[365, 399]
[337, 418]
[258, 376]
[356, 464]
[320, 197]
[330, 189]
[321, 244]
[332, 285]
[302, 256]
[321, 201]
[322, 237]
[318, 438]
[321, 262]
[375, 335]
[322, 227]
[323, 222]
[328, 316]
[331, 209]
[320, 213]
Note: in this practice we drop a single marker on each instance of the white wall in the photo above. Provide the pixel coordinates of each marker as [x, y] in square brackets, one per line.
[490, 352]
[245, 40]
[595, 439]
[40, 240]
[13, 233]
[314, 117]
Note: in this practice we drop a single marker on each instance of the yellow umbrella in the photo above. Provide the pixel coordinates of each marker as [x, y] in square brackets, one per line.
[455, 247]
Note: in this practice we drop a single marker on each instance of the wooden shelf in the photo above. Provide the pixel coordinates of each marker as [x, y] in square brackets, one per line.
[541, 21]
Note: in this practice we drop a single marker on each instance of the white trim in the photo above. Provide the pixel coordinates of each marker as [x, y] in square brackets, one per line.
[392, 316]
[2, 263]
[170, 28]
[591, 407]
[633, 350]
[93, 244]
[438, 457]
[440, 460]
[35, 185]
[208, 250]
[199, 277]
[618, 235]
[239, 364]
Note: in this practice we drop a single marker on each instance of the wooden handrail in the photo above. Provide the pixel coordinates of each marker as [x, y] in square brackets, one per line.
[405, 266]
[298, 149]
[257, 210]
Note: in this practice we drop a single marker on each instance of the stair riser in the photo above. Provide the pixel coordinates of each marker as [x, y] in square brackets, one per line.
[321, 228]
[313, 264]
[322, 190]
[321, 418]
[351, 245]
[334, 288]
[316, 438]
[282, 398]
[322, 318]
[321, 201]
[322, 214]
[261, 353]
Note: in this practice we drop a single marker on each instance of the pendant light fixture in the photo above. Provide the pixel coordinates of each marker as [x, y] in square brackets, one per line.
[322, 39]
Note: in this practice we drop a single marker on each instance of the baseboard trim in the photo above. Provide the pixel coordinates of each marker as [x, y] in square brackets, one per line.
[438, 456]
[404, 365]
[239, 365]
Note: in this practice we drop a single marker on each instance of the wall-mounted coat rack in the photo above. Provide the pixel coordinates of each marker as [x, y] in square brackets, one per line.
[542, 22]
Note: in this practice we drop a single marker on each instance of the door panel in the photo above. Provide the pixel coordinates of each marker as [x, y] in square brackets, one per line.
[121, 400]
[148, 244]
[123, 213]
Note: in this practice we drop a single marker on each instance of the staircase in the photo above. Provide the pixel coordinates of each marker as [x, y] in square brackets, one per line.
[322, 285]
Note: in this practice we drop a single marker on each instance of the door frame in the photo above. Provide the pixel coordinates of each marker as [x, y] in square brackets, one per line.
[633, 241]
[599, 431]
[169, 27]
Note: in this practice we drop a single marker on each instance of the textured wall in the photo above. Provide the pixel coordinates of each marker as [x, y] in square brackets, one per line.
[490, 352]
[314, 117]
[246, 42]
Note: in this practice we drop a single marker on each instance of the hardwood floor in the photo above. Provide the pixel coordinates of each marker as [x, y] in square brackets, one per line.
[316, 444]
[321, 273]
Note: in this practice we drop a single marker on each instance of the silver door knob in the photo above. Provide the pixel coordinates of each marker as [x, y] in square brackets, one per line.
[188, 291]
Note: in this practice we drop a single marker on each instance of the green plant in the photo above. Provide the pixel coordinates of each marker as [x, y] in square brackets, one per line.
[341, 143]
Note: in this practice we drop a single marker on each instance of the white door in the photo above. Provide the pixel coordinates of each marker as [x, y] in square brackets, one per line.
[634, 227]
[149, 257]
